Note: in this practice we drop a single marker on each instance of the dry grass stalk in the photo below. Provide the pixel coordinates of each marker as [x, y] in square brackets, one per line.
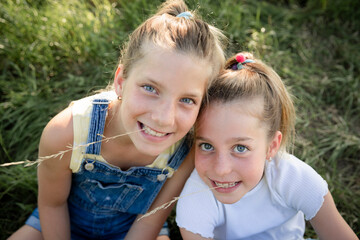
[168, 204]
[61, 153]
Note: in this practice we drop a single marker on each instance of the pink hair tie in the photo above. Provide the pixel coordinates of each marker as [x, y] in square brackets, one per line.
[241, 61]
[240, 58]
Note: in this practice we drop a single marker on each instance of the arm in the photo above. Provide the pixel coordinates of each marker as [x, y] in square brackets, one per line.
[329, 224]
[149, 227]
[54, 177]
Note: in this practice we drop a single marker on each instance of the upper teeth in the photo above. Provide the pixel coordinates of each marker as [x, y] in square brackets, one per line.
[225, 185]
[152, 132]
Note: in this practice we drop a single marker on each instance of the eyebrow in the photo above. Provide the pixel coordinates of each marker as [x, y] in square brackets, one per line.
[238, 139]
[201, 138]
[154, 82]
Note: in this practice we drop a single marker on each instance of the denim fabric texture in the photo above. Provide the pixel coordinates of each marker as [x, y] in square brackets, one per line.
[104, 200]
[33, 220]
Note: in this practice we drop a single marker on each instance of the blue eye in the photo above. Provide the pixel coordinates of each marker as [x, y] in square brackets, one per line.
[187, 101]
[240, 149]
[149, 88]
[206, 147]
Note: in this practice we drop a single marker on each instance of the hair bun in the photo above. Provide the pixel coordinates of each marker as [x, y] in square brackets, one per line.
[173, 7]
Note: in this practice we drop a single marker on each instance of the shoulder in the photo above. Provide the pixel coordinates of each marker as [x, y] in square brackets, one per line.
[295, 184]
[81, 106]
[197, 209]
[59, 128]
[288, 168]
[57, 136]
[285, 164]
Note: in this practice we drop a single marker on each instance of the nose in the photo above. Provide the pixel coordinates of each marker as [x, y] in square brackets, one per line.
[164, 113]
[222, 166]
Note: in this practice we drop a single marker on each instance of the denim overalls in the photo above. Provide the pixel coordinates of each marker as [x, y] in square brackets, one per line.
[104, 200]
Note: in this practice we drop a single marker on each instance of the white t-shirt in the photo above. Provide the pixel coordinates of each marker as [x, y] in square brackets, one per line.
[274, 209]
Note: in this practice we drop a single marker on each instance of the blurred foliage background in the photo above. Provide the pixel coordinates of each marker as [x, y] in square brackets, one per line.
[52, 52]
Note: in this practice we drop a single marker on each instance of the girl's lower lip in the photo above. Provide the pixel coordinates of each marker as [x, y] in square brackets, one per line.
[225, 190]
[151, 137]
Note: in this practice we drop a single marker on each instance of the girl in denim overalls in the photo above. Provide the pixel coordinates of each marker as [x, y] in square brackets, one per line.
[100, 188]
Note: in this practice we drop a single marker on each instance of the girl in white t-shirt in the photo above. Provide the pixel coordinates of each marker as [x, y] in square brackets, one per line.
[258, 191]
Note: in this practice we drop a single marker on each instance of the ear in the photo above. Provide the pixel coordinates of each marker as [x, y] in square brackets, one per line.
[274, 145]
[119, 80]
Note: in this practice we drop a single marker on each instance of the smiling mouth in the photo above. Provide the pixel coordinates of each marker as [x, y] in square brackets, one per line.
[226, 185]
[152, 132]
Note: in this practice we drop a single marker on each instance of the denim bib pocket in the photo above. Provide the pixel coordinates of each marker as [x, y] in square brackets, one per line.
[115, 196]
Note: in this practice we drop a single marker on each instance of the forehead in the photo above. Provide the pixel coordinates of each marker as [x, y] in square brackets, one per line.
[148, 49]
[233, 114]
[165, 65]
[252, 106]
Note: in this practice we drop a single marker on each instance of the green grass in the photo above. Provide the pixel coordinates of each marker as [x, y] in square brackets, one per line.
[52, 52]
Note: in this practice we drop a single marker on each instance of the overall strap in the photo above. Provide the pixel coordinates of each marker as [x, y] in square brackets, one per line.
[97, 124]
[178, 157]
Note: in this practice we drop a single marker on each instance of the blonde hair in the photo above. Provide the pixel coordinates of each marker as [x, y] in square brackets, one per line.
[187, 35]
[256, 79]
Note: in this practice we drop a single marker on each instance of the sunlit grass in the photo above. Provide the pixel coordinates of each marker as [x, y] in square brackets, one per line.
[52, 52]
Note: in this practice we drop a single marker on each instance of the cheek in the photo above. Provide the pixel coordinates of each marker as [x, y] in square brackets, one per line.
[201, 162]
[137, 103]
[255, 172]
[186, 118]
